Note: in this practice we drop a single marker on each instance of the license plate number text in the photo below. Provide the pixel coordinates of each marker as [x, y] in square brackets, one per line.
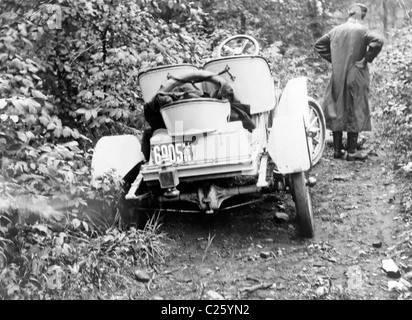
[178, 152]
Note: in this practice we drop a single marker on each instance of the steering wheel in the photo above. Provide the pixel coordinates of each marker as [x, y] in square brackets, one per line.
[237, 45]
[197, 77]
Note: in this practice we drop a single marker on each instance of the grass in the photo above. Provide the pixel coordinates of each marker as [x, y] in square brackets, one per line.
[77, 261]
[209, 243]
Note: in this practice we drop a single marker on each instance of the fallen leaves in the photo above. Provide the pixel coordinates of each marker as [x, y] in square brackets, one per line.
[259, 286]
[214, 295]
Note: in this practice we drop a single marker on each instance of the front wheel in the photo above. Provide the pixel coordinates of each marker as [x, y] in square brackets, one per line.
[317, 128]
[303, 203]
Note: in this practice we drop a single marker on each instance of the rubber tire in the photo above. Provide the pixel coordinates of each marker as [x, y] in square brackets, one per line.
[318, 150]
[303, 203]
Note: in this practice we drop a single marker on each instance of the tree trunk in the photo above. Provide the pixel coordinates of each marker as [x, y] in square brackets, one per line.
[315, 14]
[385, 18]
[242, 23]
[393, 10]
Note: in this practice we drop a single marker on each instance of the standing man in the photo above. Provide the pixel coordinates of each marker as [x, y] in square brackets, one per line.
[349, 47]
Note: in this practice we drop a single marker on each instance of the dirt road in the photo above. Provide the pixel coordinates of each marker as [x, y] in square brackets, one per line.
[250, 254]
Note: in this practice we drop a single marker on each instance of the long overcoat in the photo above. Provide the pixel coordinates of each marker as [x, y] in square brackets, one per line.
[346, 105]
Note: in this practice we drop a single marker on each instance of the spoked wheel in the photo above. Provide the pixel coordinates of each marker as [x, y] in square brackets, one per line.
[303, 203]
[317, 130]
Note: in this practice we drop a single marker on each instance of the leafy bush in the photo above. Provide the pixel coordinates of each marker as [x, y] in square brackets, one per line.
[69, 75]
[392, 92]
[298, 62]
[39, 154]
[48, 263]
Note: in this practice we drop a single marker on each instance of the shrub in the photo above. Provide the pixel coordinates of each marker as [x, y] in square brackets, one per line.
[392, 92]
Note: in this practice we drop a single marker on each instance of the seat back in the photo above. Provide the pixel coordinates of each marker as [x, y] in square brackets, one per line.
[250, 78]
[151, 79]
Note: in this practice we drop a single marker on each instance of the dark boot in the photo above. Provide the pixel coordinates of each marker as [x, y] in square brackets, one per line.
[337, 145]
[353, 153]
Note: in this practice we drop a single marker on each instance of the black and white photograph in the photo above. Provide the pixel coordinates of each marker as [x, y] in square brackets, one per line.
[207, 156]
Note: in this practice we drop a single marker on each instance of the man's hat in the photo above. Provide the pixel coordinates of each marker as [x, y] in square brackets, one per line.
[355, 7]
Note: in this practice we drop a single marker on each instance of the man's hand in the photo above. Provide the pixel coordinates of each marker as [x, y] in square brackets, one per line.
[361, 63]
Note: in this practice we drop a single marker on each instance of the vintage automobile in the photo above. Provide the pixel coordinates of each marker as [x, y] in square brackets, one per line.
[227, 139]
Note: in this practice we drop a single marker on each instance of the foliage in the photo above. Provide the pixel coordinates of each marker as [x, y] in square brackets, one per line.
[298, 62]
[69, 75]
[393, 92]
[392, 99]
[268, 21]
[47, 263]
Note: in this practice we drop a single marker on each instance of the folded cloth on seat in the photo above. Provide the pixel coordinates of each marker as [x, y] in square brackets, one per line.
[239, 111]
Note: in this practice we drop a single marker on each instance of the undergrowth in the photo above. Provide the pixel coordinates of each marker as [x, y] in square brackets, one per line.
[77, 261]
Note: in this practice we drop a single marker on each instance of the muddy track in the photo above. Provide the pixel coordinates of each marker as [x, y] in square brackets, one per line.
[249, 254]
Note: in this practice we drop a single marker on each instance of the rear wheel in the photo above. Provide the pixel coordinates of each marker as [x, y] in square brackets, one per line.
[303, 203]
[131, 212]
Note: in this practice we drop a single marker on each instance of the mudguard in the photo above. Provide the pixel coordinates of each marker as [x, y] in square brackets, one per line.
[287, 143]
[119, 153]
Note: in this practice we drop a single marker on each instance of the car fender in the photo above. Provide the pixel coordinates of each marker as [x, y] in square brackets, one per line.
[287, 144]
[116, 153]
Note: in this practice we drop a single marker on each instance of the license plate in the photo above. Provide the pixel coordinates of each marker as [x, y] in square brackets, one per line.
[178, 152]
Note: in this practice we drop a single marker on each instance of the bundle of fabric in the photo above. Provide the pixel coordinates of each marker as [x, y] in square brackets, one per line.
[239, 111]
